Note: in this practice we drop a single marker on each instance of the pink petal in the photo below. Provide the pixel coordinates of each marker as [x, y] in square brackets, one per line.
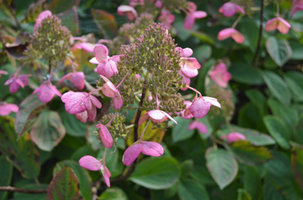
[105, 69]
[213, 101]
[88, 103]
[7, 108]
[101, 53]
[234, 136]
[92, 113]
[283, 25]
[74, 103]
[3, 72]
[240, 9]
[90, 163]
[66, 96]
[43, 15]
[88, 47]
[106, 175]
[14, 87]
[107, 90]
[131, 153]
[189, 21]
[200, 108]
[143, 118]
[191, 63]
[191, 7]
[220, 75]
[106, 137]
[19, 82]
[152, 149]
[189, 72]
[228, 9]
[202, 128]
[45, 93]
[130, 11]
[77, 79]
[55, 90]
[118, 101]
[186, 52]
[9, 81]
[167, 115]
[271, 24]
[82, 116]
[199, 14]
[157, 116]
[95, 101]
[65, 77]
[24, 79]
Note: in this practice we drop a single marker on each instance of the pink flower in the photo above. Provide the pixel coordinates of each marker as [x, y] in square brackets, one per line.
[3, 72]
[16, 81]
[189, 116]
[192, 15]
[233, 137]
[105, 136]
[297, 5]
[7, 108]
[91, 163]
[231, 32]
[166, 18]
[200, 107]
[277, 23]
[106, 65]
[158, 4]
[41, 16]
[88, 47]
[220, 75]
[46, 92]
[76, 78]
[134, 3]
[82, 104]
[229, 9]
[157, 116]
[202, 128]
[147, 148]
[129, 11]
[110, 90]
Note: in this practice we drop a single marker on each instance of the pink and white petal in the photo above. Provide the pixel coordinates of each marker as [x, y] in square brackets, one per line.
[65, 97]
[238, 37]
[105, 136]
[152, 149]
[186, 52]
[189, 21]
[189, 72]
[156, 115]
[90, 163]
[113, 66]
[132, 15]
[106, 175]
[101, 53]
[191, 63]
[271, 24]
[213, 101]
[167, 115]
[94, 60]
[82, 116]
[131, 153]
[199, 14]
[202, 128]
[9, 81]
[143, 118]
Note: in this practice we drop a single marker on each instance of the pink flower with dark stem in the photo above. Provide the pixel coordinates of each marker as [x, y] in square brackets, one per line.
[76, 78]
[166, 18]
[202, 128]
[277, 23]
[200, 106]
[3, 72]
[16, 81]
[110, 90]
[129, 11]
[233, 137]
[296, 5]
[220, 75]
[7, 108]
[46, 92]
[88, 47]
[231, 32]
[229, 9]
[91, 163]
[82, 104]
[105, 136]
[41, 16]
[192, 15]
[106, 65]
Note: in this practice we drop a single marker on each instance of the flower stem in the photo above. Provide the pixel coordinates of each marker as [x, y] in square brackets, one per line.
[237, 20]
[14, 189]
[260, 33]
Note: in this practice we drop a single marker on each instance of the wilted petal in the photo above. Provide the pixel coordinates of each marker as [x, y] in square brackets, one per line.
[152, 149]
[106, 175]
[91, 113]
[101, 53]
[143, 118]
[118, 101]
[90, 163]
[82, 116]
[130, 11]
[202, 128]
[74, 102]
[213, 101]
[105, 136]
[131, 153]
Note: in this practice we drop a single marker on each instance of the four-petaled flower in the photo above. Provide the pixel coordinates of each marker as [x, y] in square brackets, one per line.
[82, 104]
[277, 23]
[129, 11]
[231, 32]
[76, 78]
[106, 65]
[229, 9]
[220, 75]
[7, 108]
[91, 163]
[146, 147]
[46, 92]
[192, 15]
[17, 81]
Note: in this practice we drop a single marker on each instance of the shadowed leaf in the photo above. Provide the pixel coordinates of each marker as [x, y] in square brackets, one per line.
[6, 174]
[70, 20]
[105, 22]
[189, 189]
[58, 6]
[297, 165]
[112, 194]
[278, 49]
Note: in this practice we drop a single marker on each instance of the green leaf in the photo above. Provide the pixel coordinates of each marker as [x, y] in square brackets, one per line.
[105, 22]
[297, 49]
[298, 130]
[29, 110]
[172, 191]
[271, 191]
[180, 131]
[222, 166]
[156, 173]
[294, 81]
[202, 52]
[58, 6]
[189, 189]
[276, 86]
[205, 121]
[113, 193]
[278, 49]
[91, 137]
[48, 130]
[64, 186]
[203, 37]
[250, 32]
[70, 20]
[252, 182]
[249, 154]
[297, 165]
[202, 75]
[253, 136]
[82, 175]
[72, 125]
[243, 195]
[277, 130]
[186, 168]
[6, 174]
[244, 73]
[22, 154]
[31, 186]
[258, 99]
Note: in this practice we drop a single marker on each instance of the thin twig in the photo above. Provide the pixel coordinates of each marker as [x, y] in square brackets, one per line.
[14, 189]
[260, 33]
